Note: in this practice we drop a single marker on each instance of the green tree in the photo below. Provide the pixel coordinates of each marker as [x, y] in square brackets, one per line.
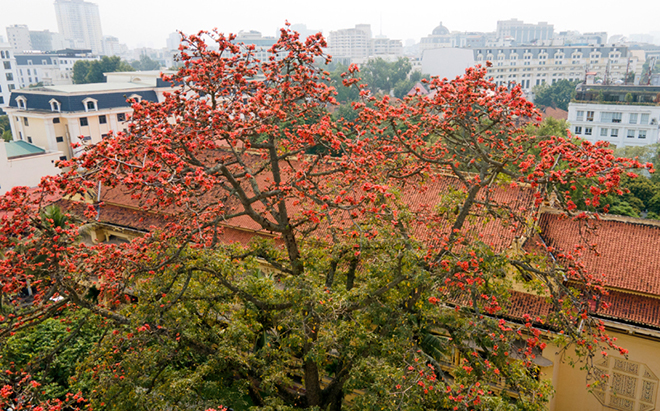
[557, 95]
[85, 71]
[145, 63]
[5, 128]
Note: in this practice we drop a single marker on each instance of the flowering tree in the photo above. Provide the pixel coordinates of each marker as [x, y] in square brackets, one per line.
[384, 249]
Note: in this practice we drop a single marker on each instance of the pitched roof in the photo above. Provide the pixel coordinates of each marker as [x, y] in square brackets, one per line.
[626, 252]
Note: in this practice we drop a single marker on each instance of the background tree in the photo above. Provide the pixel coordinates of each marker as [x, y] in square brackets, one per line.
[5, 128]
[557, 95]
[145, 63]
[370, 268]
[86, 71]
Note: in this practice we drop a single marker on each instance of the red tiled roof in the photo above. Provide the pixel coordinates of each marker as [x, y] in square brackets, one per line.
[627, 251]
[555, 113]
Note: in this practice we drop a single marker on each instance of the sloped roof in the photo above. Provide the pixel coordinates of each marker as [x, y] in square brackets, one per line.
[626, 252]
[20, 148]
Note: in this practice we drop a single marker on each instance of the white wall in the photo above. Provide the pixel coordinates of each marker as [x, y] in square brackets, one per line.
[26, 171]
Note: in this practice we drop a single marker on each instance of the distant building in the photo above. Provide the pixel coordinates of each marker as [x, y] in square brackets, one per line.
[447, 62]
[621, 115]
[357, 45]
[303, 30]
[261, 43]
[54, 117]
[173, 41]
[50, 69]
[19, 37]
[47, 41]
[523, 33]
[530, 66]
[8, 77]
[439, 38]
[79, 22]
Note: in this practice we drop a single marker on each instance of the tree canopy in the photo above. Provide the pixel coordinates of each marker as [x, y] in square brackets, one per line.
[556, 95]
[91, 71]
[379, 273]
[145, 63]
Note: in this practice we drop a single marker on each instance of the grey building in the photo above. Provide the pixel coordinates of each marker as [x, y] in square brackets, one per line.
[79, 22]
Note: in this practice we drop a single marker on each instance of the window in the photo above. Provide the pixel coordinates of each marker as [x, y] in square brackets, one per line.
[590, 116]
[83, 121]
[63, 158]
[29, 72]
[59, 139]
[7, 65]
[644, 119]
[578, 130]
[11, 87]
[104, 136]
[29, 139]
[54, 105]
[90, 104]
[10, 76]
[603, 132]
[87, 138]
[103, 120]
[631, 134]
[579, 115]
[56, 120]
[614, 132]
[121, 117]
[633, 118]
[609, 117]
[587, 131]
[2, 100]
[642, 134]
[25, 121]
[21, 101]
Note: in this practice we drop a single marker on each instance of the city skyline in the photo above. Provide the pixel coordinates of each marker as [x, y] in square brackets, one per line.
[140, 24]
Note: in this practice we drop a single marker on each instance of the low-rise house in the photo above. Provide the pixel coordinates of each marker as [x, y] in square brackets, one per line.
[23, 164]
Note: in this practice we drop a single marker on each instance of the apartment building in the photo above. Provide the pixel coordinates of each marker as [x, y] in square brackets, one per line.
[620, 115]
[50, 69]
[530, 66]
[357, 44]
[524, 33]
[79, 22]
[8, 78]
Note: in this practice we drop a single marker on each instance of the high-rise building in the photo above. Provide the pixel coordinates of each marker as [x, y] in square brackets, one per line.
[79, 22]
[19, 37]
[8, 76]
[524, 33]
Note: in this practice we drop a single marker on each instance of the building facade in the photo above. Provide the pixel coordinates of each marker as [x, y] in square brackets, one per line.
[24, 164]
[55, 117]
[8, 77]
[523, 33]
[79, 22]
[18, 36]
[621, 115]
[50, 69]
[530, 66]
[357, 45]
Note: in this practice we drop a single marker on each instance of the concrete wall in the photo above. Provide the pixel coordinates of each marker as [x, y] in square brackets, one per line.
[25, 171]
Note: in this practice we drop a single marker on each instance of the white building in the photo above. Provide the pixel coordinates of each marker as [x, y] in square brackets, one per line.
[24, 164]
[620, 115]
[533, 65]
[8, 78]
[357, 45]
[54, 117]
[19, 37]
[51, 69]
[523, 33]
[79, 22]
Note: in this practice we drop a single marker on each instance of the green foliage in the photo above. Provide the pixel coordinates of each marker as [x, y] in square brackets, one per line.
[145, 63]
[557, 95]
[85, 71]
[53, 350]
[5, 128]
[548, 127]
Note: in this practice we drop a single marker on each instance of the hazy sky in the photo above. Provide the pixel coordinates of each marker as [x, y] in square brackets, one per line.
[148, 23]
